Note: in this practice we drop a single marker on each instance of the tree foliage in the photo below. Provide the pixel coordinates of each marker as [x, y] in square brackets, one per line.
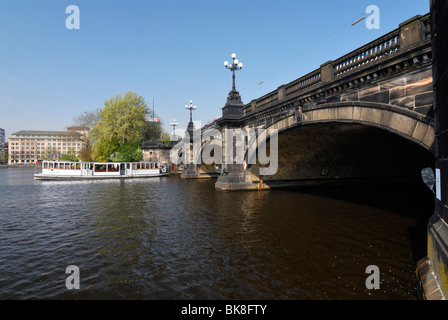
[122, 118]
[70, 155]
[128, 153]
[118, 130]
[121, 128]
[104, 148]
[153, 131]
[86, 154]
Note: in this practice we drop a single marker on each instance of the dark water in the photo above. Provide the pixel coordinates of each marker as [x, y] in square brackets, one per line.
[169, 238]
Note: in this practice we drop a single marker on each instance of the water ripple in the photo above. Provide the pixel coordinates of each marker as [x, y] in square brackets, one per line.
[169, 238]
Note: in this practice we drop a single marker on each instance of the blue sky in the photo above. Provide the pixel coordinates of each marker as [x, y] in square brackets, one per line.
[169, 51]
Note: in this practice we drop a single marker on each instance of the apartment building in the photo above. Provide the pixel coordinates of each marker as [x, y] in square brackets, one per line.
[27, 146]
[2, 139]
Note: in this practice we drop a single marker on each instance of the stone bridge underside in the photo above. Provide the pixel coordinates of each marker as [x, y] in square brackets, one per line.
[341, 153]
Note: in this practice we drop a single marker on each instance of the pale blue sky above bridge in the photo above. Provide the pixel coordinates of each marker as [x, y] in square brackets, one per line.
[169, 52]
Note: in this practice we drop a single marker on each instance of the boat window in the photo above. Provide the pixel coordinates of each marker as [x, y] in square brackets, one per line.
[128, 166]
[112, 167]
[77, 166]
[45, 165]
[100, 168]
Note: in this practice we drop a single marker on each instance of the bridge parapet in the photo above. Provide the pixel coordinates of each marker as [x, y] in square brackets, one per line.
[380, 48]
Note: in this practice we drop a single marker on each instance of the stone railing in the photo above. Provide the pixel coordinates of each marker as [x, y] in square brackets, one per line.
[373, 51]
[304, 82]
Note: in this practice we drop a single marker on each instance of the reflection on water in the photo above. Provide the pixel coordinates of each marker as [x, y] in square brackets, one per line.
[169, 238]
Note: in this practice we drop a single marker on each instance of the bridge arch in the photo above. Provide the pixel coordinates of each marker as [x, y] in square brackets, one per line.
[411, 125]
[301, 136]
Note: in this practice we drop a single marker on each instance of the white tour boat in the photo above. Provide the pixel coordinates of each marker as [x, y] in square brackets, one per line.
[66, 170]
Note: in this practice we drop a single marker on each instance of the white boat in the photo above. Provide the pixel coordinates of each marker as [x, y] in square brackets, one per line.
[66, 170]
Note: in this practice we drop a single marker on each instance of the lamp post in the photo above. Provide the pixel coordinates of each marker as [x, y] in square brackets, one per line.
[191, 107]
[234, 108]
[174, 124]
[234, 66]
[190, 128]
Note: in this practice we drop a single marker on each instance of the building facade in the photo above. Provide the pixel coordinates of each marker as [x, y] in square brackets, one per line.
[28, 147]
[2, 139]
[157, 151]
[3, 147]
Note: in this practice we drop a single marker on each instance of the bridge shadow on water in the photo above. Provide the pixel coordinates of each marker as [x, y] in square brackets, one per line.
[408, 199]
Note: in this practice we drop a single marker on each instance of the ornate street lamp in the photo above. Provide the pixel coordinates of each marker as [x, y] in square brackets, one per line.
[190, 127]
[174, 124]
[191, 107]
[234, 108]
[234, 66]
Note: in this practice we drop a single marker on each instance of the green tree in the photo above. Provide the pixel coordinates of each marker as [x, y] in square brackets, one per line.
[128, 153]
[152, 131]
[122, 118]
[86, 153]
[70, 155]
[3, 156]
[104, 148]
[122, 122]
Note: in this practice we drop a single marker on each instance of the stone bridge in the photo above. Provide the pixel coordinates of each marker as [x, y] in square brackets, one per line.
[374, 114]
[366, 116]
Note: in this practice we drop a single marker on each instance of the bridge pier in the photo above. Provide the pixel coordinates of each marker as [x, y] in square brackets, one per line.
[235, 178]
[193, 171]
[433, 269]
[190, 171]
